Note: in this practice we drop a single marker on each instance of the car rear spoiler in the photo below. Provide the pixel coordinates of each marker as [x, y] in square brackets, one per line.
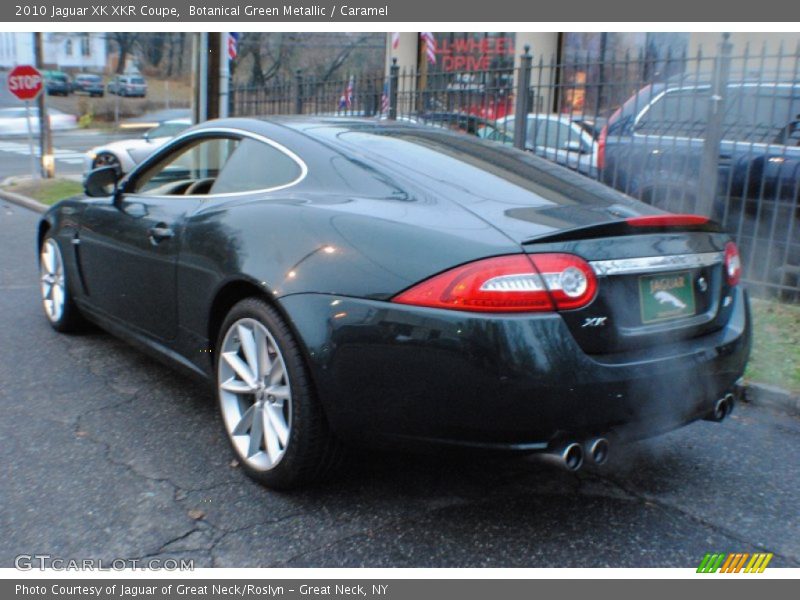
[663, 223]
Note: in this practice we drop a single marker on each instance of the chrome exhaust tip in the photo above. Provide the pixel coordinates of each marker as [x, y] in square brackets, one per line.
[722, 408]
[569, 456]
[597, 449]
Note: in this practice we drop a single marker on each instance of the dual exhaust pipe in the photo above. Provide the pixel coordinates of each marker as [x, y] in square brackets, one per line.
[571, 455]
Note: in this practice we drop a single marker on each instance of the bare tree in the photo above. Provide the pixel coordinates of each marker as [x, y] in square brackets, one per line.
[124, 43]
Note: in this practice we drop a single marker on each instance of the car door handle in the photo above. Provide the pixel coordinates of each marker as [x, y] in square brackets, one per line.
[160, 232]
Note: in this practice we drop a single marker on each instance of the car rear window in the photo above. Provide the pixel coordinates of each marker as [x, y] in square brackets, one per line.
[136, 80]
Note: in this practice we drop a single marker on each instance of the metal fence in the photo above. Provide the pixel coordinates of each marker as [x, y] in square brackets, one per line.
[716, 134]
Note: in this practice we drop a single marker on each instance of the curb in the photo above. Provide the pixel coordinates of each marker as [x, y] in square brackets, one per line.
[23, 201]
[770, 396]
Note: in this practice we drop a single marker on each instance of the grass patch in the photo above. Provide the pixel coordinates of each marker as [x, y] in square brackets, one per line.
[46, 191]
[776, 345]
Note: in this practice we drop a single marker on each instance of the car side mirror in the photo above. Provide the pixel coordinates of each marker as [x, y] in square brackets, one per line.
[101, 182]
[574, 146]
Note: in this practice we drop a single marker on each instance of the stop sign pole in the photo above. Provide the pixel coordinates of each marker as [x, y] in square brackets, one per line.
[48, 164]
[25, 82]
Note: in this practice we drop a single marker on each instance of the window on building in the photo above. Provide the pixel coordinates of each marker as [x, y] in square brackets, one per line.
[86, 47]
[68, 47]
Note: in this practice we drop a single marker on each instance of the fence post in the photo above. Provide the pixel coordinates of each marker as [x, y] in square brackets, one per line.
[709, 163]
[523, 99]
[298, 99]
[394, 76]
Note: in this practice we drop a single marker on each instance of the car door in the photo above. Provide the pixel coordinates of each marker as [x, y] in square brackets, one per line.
[129, 244]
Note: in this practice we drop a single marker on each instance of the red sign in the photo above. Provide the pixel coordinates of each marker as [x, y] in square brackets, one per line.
[25, 82]
[473, 54]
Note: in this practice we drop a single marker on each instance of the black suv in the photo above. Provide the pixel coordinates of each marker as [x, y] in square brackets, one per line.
[652, 149]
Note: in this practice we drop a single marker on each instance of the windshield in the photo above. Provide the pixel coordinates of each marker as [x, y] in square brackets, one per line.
[166, 130]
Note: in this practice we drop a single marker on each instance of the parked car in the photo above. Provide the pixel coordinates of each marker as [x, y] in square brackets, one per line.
[568, 142]
[344, 280]
[128, 86]
[88, 83]
[14, 121]
[652, 149]
[57, 83]
[125, 154]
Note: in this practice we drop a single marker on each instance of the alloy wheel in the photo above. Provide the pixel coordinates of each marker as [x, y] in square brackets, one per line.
[52, 280]
[255, 394]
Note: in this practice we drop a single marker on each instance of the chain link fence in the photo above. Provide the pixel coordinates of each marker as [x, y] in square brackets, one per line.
[716, 134]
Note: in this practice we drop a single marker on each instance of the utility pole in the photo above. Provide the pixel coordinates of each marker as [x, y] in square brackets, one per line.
[207, 76]
[213, 75]
[47, 164]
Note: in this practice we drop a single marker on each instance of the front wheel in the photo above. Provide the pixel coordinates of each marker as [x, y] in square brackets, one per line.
[270, 411]
[59, 308]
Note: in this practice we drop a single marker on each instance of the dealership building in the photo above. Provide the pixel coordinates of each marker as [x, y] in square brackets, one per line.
[567, 65]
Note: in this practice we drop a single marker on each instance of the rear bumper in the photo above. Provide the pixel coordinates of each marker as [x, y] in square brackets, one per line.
[506, 382]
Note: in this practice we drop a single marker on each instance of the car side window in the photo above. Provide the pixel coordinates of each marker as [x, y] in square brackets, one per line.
[761, 114]
[679, 113]
[254, 166]
[190, 169]
[554, 134]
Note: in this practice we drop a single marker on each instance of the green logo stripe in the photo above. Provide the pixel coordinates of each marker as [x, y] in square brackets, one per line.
[718, 564]
[701, 568]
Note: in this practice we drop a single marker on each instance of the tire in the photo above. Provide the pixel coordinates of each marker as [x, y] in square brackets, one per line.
[57, 301]
[270, 411]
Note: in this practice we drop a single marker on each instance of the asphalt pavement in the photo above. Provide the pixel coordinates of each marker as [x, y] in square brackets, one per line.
[107, 454]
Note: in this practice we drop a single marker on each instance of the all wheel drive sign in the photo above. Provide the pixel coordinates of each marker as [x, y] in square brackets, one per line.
[25, 82]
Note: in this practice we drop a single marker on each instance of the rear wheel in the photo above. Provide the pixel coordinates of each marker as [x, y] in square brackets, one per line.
[270, 411]
[59, 308]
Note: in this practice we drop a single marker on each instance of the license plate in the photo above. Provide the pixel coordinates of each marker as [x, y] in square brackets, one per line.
[666, 296]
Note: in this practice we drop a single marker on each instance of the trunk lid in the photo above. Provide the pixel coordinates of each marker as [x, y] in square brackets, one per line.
[654, 288]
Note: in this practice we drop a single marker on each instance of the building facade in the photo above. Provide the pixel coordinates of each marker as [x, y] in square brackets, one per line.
[62, 51]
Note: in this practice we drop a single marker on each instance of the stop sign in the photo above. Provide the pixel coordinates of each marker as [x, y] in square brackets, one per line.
[25, 82]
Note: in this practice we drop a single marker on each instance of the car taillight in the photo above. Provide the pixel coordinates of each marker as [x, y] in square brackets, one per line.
[601, 147]
[517, 283]
[733, 264]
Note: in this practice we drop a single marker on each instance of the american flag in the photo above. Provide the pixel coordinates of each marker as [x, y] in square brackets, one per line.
[233, 45]
[395, 40]
[385, 97]
[427, 38]
[346, 101]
